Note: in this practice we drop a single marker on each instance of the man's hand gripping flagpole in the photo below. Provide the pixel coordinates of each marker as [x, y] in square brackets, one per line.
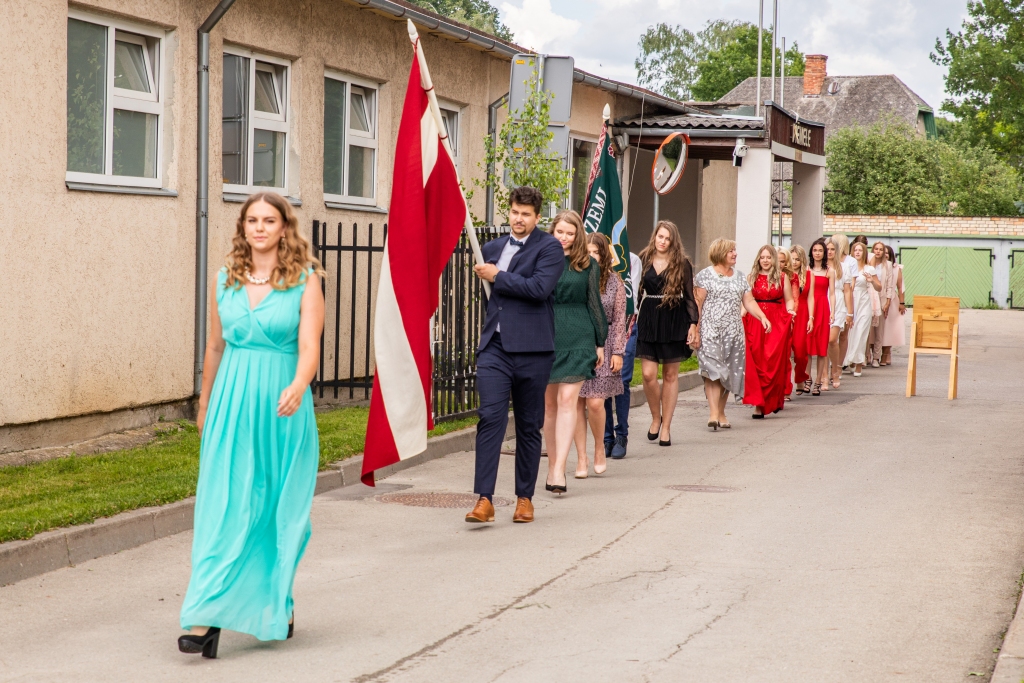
[435, 110]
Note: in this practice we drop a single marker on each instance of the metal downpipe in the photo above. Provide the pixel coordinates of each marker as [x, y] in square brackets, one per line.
[203, 185]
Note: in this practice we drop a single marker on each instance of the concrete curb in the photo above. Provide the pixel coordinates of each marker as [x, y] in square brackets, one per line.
[1010, 663]
[20, 560]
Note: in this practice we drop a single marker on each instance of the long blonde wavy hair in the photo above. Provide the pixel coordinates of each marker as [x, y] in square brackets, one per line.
[678, 266]
[294, 254]
[774, 275]
[579, 257]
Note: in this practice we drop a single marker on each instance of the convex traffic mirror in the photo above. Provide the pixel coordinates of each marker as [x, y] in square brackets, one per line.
[669, 162]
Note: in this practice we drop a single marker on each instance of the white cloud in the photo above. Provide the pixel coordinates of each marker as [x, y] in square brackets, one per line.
[537, 27]
[865, 37]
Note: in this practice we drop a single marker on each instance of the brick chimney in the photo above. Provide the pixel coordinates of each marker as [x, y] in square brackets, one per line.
[814, 74]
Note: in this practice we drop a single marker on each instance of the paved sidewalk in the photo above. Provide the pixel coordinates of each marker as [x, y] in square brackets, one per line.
[866, 537]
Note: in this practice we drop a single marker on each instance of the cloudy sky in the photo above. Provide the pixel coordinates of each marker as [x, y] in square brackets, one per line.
[862, 37]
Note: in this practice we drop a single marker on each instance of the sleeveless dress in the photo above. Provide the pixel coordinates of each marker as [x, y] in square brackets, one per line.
[767, 352]
[862, 315]
[721, 354]
[817, 341]
[895, 328]
[607, 383]
[580, 323]
[662, 330]
[803, 313]
[257, 472]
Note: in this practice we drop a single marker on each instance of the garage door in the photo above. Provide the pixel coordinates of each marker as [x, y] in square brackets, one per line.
[1017, 278]
[949, 271]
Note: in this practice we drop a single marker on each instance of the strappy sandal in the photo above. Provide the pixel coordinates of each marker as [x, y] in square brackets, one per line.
[817, 390]
[807, 387]
[835, 383]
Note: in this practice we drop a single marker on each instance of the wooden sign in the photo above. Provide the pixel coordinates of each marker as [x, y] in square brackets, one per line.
[800, 135]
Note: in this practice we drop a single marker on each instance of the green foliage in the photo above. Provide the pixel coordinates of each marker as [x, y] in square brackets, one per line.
[86, 85]
[985, 75]
[707, 64]
[889, 169]
[521, 156]
[480, 14]
[736, 60]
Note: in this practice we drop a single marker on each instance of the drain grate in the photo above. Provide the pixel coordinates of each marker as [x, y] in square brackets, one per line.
[700, 488]
[439, 500]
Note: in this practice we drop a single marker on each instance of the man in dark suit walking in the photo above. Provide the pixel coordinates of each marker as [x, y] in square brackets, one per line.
[517, 350]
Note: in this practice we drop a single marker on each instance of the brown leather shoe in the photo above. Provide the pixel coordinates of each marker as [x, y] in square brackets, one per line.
[483, 512]
[524, 511]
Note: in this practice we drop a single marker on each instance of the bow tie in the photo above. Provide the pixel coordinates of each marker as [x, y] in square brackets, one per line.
[515, 243]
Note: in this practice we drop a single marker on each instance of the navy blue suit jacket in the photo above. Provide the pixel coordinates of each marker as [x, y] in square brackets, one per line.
[522, 297]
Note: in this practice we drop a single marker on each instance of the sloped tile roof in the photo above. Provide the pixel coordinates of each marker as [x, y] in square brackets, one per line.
[691, 121]
[858, 100]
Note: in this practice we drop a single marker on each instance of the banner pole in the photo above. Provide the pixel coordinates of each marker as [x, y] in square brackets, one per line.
[435, 111]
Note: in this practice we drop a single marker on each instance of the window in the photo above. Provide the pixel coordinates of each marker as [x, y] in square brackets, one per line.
[450, 117]
[582, 158]
[114, 102]
[254, 122]
[350, 140]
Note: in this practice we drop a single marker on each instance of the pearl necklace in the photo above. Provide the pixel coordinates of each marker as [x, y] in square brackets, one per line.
[256, 280]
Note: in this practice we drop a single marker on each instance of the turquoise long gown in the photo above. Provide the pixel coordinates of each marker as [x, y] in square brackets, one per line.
[257, 473]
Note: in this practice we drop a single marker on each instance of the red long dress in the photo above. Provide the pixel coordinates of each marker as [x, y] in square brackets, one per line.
[800, 353]
[817, 341]
[764, 384]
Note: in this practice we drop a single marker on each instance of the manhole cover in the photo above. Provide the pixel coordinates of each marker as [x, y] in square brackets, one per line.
[439, 500]
[696, 488]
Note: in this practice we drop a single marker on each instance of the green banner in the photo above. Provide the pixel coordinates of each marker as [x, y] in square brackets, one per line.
[603, 212]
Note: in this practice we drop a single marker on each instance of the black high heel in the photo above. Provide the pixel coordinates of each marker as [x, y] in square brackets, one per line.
[665, 443]
[291, 627]
[207, 644]
[653, 436]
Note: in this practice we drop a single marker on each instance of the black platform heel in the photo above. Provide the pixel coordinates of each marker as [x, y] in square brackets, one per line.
[291, 627]
[207, 644]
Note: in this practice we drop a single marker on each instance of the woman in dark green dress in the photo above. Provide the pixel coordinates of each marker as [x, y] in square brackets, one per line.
[580, 331]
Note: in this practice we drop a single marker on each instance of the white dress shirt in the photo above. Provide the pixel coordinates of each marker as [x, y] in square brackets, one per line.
[507, 252]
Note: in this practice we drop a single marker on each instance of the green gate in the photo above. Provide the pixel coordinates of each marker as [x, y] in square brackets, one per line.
[1017, 278]
[951, 271]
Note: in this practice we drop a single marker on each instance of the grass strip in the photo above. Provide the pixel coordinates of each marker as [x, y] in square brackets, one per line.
[80, 489]
[638, 379]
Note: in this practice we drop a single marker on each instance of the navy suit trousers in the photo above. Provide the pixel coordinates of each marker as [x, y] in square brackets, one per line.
[523, 378]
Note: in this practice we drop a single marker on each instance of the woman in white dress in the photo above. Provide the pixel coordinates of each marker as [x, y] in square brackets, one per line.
[864, 279]
[842, 316]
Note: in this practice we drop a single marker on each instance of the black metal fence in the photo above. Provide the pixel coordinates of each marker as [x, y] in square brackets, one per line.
[352, 261]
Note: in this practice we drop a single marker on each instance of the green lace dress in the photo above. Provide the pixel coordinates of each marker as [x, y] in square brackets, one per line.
[580, 324]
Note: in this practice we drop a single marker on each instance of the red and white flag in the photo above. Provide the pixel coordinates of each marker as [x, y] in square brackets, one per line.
[428, 212]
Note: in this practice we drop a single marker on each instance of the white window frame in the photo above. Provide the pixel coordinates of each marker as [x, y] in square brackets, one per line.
[456, 109]
[278, 123]
[127, 100]
[568, 163]
[369, 140]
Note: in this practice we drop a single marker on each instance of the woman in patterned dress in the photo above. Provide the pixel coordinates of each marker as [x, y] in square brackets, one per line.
[666, 324]
[607, 381]
[720, 290]
[580, 331]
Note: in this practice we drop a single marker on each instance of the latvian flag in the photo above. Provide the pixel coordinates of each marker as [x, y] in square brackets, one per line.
[427, 214]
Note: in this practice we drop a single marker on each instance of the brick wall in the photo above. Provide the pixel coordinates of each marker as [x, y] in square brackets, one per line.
[922, 226]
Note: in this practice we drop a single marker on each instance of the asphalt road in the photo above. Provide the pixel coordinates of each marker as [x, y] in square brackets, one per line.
[863, 537]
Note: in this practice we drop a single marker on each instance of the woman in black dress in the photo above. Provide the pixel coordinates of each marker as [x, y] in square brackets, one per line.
[666, 324]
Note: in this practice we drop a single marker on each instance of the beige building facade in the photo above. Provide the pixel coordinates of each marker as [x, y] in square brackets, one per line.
[97, 301]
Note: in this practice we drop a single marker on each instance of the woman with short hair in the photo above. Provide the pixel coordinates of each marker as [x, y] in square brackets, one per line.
[607, 381]
[259, 451]
[721, 291]
[580, 332]
[666, 324]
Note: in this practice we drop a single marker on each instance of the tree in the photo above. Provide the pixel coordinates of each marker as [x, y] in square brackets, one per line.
[480, 14]
[985, 75]
[890, 169]
[521, 155]
[669, 55]
[736, 60]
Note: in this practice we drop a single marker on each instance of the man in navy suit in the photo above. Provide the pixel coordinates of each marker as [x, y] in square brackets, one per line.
[517, 350]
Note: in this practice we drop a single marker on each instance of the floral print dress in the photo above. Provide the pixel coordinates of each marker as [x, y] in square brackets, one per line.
[722, 352]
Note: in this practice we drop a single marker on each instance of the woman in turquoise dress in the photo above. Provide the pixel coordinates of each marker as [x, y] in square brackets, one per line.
[580, 332]
[259, 451]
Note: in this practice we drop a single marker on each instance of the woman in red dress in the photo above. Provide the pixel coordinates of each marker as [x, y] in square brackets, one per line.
[787, 275]
[803, 291]
[764, 385]
[824, 279]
